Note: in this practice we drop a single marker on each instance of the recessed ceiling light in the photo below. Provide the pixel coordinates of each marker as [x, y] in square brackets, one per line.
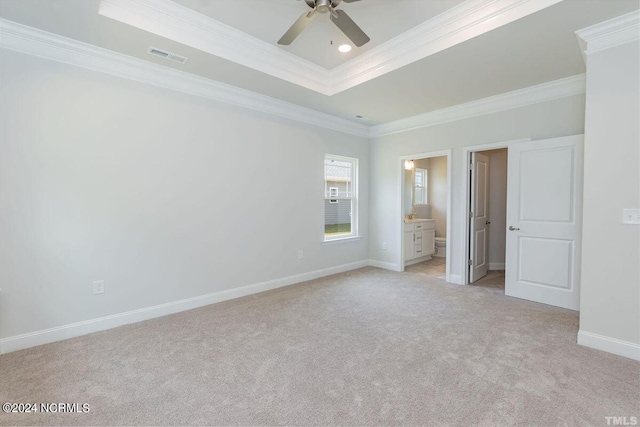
[344, 48]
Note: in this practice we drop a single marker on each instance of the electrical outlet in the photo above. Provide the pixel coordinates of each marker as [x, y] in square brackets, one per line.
[631, 216]
[384, 246]
[300, 254]
[98, 287]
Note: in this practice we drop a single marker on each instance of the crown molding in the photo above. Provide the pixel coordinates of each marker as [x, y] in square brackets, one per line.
[40, 43]
[611, 33]
[458, 24]
[181, 24]
[570, 86]
[43, 44]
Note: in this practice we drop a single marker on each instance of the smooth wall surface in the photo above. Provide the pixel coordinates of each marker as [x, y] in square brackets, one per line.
[556, 118]
[438, 194]
[497, 207]
[610, 289]
[163, 196]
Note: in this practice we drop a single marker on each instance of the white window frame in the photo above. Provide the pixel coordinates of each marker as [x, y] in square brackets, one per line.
[331, 196]
[424, 188]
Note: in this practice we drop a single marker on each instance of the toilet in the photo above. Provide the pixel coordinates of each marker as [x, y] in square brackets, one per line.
[441, 247]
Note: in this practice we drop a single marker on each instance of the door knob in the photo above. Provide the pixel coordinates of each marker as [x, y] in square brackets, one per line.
[512, 228]
[487, 222]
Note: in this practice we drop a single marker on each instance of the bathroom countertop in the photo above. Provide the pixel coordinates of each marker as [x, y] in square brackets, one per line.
[411, 221]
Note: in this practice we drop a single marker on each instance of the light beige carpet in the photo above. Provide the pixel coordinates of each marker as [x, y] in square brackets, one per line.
[369, 347]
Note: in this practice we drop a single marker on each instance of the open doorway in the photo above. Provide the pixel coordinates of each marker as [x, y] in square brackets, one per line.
[487, 201]
[542, 233]
[425, 212]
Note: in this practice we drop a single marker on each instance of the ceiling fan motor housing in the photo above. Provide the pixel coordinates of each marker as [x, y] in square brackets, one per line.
[339, 17]
[323, 6]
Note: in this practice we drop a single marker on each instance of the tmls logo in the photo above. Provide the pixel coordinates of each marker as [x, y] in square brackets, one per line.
[621, 421]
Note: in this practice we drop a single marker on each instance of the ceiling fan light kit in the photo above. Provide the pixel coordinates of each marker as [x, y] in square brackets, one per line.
[338, 16]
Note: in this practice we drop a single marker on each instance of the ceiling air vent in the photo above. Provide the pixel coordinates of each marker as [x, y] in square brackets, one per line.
[167, 55]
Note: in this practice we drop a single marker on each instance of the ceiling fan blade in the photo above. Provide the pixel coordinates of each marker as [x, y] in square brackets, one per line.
[349, 1]
[349, 28]
[297, 28]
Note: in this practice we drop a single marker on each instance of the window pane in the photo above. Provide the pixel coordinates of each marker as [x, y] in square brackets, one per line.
[340, 191]
[338, 174]
[419, 179]
[337, 217]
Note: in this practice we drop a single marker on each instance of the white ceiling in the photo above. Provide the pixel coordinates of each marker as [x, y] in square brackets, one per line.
[268, 20]
[537, 48]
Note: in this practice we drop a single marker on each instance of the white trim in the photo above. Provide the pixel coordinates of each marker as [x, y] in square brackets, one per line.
[341, 239]
[40, 43]
[465, 203]
[456, 25]
[353, 197]
[610, 345]
[611, 33]
[59, 333]
[455, 279]
[385, 265]
[496, 266]
[24, 39]
[426, 155]
[570, 86]
[418, 260]
[183, 25]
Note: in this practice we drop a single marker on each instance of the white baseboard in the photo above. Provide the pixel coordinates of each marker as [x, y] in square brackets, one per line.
[46, 336]
[496, 266]
[385, 265]
[610, 345]
[418, 260]
[455, 278]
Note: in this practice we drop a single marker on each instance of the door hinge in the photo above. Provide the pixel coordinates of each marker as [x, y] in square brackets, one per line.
[470, 166]
[470, 214]
[470, 262]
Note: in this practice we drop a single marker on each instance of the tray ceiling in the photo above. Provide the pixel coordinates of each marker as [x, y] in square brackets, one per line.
[268, 20]
[502, 56]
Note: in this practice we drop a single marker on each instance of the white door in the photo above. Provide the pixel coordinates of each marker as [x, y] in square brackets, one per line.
[544, 219]
[479, 216]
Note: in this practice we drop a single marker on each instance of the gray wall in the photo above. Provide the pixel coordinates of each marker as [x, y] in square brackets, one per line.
[104, 178]
[438, 193]
[610, 289]
[545, 120]
[497, 207]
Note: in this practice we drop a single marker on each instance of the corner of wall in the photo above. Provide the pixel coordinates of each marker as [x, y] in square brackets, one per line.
[610, 345]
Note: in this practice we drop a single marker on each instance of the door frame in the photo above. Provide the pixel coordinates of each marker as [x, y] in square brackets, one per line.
[466, 194]
[400, 213]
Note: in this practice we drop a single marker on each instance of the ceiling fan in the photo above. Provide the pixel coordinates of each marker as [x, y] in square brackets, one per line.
[338, 17]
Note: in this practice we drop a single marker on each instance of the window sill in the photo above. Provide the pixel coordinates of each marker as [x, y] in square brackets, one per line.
[341, 239]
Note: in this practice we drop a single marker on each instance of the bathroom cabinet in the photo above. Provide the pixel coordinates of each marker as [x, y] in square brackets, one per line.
[419, 240]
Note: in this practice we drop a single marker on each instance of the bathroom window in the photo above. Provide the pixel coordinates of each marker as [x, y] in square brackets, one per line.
[420, 187]
[340, 197]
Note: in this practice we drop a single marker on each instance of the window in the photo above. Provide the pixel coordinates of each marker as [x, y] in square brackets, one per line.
[340, 197]
[420, 187]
